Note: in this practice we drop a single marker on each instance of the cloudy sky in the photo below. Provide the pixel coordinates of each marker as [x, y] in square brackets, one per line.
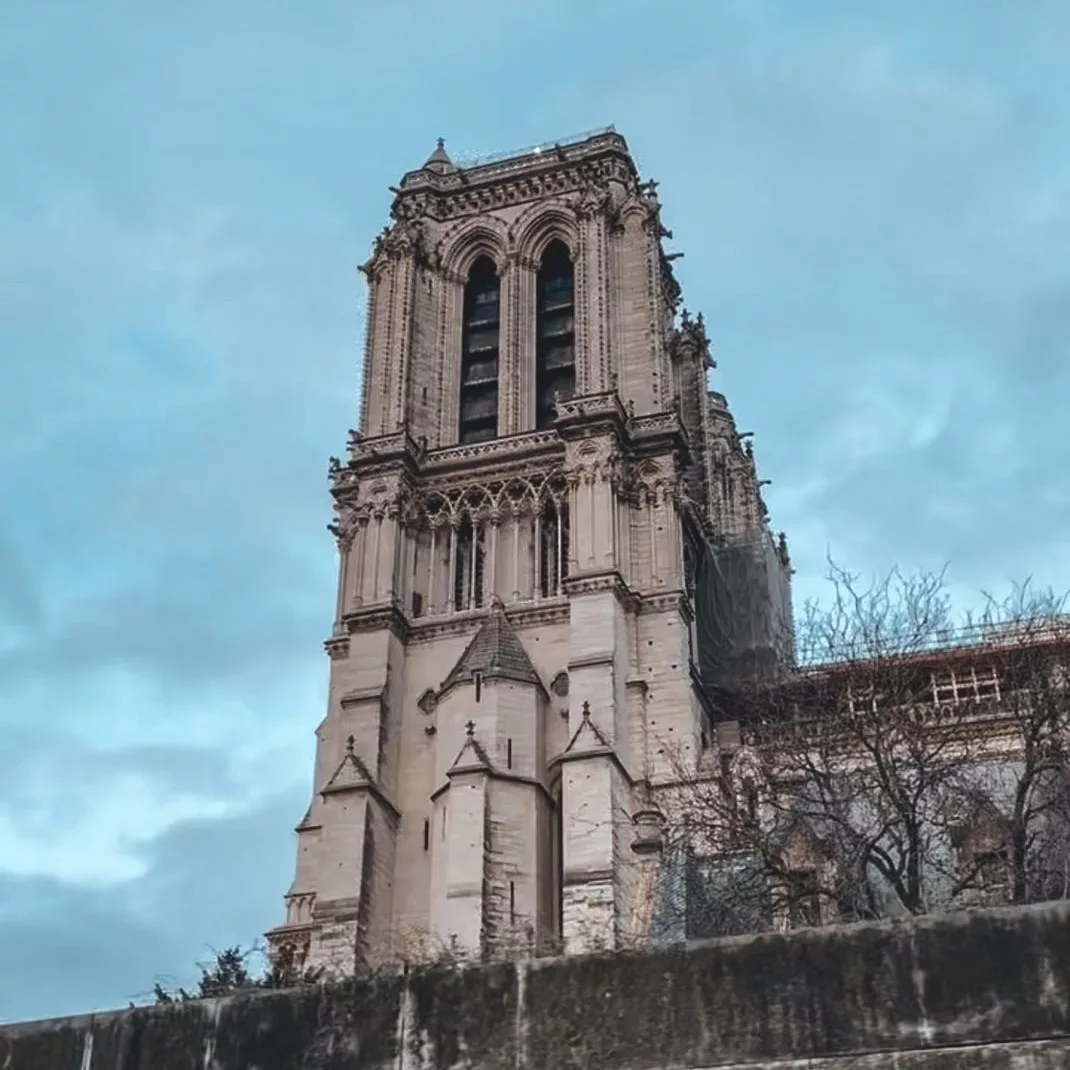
[873, 203]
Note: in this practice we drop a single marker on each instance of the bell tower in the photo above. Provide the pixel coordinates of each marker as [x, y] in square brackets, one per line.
[512, 654]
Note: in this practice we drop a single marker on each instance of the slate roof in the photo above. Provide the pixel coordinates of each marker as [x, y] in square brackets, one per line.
[495, 651]
[439, 160]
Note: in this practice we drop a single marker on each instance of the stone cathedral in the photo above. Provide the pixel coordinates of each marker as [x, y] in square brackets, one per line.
[533, 522]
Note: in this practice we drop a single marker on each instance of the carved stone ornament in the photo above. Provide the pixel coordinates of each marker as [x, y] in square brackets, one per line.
[337, 647]
[649, 837]
[428, 701]
[559, 686]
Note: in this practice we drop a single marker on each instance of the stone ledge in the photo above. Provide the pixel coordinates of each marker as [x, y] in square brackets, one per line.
[973, 991]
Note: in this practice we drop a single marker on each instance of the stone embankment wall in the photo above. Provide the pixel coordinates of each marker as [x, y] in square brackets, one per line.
[961, 992]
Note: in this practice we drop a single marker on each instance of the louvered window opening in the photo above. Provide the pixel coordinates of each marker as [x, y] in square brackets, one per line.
[479, 354]
[555, 349]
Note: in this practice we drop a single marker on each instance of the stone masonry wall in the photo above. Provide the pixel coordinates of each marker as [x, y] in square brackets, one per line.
[982, 991]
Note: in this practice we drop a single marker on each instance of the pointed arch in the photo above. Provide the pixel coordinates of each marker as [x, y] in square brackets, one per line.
[535, 229]
[462, 245]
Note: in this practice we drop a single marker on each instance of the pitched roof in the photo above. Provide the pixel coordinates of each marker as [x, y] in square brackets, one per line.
[471, 757]
[495, 651]
[439, 160]
[351, 775]
[588, 737]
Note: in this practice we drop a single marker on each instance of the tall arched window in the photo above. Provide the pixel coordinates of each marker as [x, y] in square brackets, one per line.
[555, 351]
[479, 354]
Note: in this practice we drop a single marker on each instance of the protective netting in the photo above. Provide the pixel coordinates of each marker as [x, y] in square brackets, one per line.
[744, 629]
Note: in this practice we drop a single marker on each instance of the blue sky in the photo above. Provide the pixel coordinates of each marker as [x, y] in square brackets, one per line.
[874, 204]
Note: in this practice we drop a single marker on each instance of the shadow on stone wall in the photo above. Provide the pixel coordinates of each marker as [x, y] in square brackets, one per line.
[978, 986]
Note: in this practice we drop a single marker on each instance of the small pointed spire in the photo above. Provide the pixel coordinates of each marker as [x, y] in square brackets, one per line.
[439, 160]
[586, 710]
[349, 747]
[470, 728]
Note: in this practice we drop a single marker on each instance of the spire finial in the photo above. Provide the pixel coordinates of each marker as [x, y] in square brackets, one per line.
[349, 747]
[439, 160]
[470, 728]
[586, 710]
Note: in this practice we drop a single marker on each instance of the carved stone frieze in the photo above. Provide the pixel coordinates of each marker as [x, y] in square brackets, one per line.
[528, 177]
[492, 499]
[368, 451]
[594, 460]
[592, 583]
[593, 200]
[337, 647]
[496, 451]
[591, 413]
[521, 615]
[377, 617]
[660, 601]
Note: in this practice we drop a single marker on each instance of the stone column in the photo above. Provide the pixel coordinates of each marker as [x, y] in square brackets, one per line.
[509, 331]
[592, 296]
[345, 549]
[525, 272]
[450, 359]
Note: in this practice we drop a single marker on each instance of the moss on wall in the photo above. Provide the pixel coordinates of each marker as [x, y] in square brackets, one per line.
[979, 985]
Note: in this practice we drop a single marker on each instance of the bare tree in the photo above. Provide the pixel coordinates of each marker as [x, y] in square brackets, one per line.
[1026, 784]
[855, 786]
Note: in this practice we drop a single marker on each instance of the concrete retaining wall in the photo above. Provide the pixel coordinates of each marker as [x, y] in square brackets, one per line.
[980, 991]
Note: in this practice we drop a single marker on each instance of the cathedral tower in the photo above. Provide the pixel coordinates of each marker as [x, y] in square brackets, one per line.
[513, 664]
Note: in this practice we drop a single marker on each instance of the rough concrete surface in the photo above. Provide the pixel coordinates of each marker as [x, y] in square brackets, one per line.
[986, 990]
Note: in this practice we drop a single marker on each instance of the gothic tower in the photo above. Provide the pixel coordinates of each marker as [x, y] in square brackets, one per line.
[513, 662]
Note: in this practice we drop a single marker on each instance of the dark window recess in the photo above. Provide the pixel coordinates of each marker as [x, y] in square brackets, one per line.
[478, 679]
[417, 604]
[508, 754]
[427, 834]
[479, 354]
[555, 356]
[804, 903]
[750, 801]
[990, 868]
[551, 569]
[512, 902]
[470, 555]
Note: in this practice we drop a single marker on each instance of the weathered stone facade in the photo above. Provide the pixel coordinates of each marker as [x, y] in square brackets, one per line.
[970, 991]
[514, 643]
